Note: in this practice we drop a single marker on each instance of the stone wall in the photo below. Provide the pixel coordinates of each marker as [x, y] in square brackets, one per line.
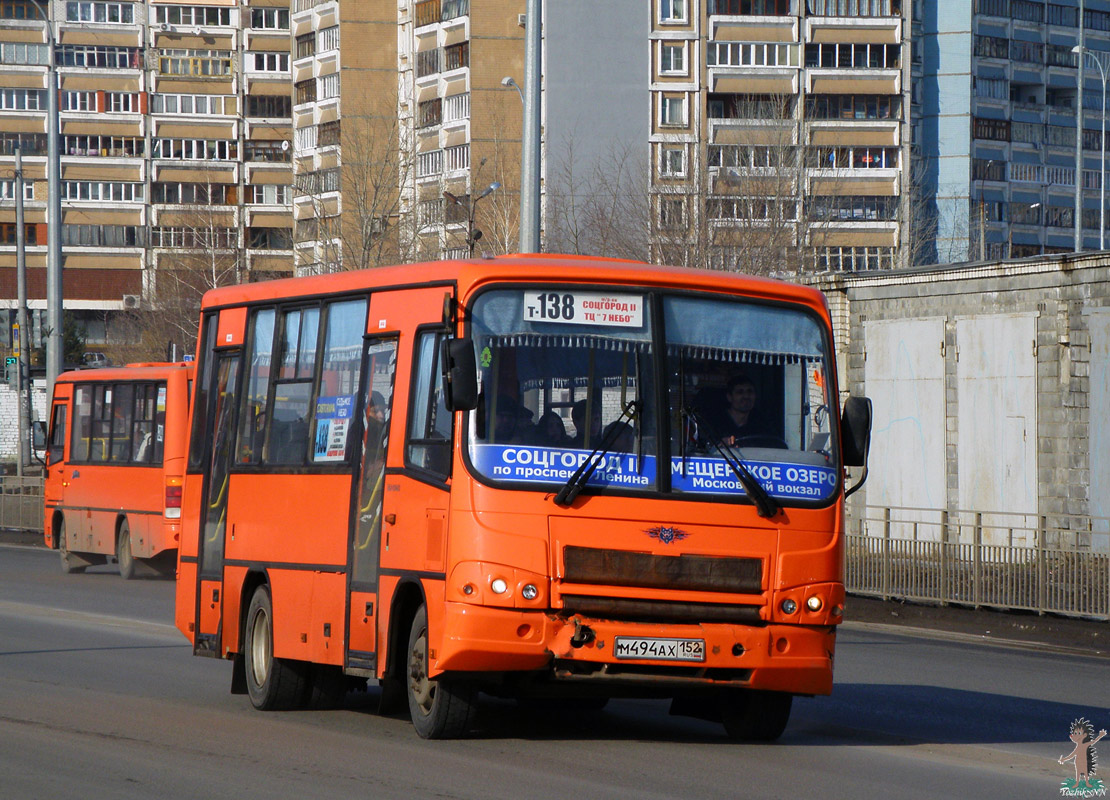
[1065, 302]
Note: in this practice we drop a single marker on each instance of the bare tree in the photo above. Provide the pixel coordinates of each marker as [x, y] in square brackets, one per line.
[194, 250]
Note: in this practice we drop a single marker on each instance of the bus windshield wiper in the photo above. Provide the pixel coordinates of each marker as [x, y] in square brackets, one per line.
[576, 482]
[765, 505]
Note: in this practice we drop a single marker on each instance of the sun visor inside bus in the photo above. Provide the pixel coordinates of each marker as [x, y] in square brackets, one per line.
[233, 322]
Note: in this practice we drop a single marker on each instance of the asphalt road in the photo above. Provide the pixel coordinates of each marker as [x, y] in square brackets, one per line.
[100, 697]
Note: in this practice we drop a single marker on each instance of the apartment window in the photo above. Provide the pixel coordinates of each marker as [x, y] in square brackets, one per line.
[853, 208]
[329, 39]
[22, 99]
[457, 157]
[1027, 132]
[853, 259]
[757, 8]
[7, 190]
[993, 8]
[78, 101]
[205, 104]
[22, 53]
[456, 107]
[674, 11]
[305, 91]
[306, 138]
[429, 112]
[192, 15]
[103, 235]
[273, 106]
[992, 47]
[101, 56]
[30, 144]
[749, 106]
[853, 56]
[1028, 52]
[1061, 15]
[269, 194]
[8, 232]
[102, 191]
[196, 149]
[456, 56]
[854, 8]
[997, 130]
[121, 102]
[848, 106]
[266, 151]
[273, 19]
[672, 212]
[672, 58]
[100, 12]
[108, 146]
[1096, 20]
[318, 182]
[1027, 11]
[737, 54]
[269, 239]
[1059, 217]
[329, 86]
[305, 45]
[672, 110]
[429, 164]
[201, 237]
[430, 212]
[18, 9]
[672, 162]
[197, 63]
[329, 134]
[267, 62]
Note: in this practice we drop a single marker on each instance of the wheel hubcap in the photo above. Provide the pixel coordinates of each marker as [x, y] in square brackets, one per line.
[260, 648]
[423, 690]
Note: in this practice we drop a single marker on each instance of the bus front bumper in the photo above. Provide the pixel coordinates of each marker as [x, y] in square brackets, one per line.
[778, 657]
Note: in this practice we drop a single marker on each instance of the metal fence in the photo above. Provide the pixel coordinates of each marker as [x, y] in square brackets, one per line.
[21, 502]
[1058, 564]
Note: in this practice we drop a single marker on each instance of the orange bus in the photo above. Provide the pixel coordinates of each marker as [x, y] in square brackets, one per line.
[528, 476]
[114, 466]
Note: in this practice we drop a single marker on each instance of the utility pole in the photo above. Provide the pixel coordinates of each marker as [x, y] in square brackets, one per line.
[530, 136]
[23, 379]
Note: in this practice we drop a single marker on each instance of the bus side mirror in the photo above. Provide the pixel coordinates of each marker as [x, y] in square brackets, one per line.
[855, 437]
[855, 431]
[460, 374]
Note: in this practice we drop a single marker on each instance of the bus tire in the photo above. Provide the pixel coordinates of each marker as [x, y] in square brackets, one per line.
[274, 684]
[443, 708]
[124, 558]
[756, 716]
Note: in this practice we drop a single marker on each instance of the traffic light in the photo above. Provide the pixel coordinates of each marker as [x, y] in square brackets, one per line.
[11, 372]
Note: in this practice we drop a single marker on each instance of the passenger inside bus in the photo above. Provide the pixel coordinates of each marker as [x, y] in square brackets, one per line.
[551, 431]
[513, 423]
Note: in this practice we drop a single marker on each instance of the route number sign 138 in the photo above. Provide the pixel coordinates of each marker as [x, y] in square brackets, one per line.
[584, 308]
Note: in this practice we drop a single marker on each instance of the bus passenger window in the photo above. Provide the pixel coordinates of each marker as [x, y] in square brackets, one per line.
[430, 430]
[57, 435]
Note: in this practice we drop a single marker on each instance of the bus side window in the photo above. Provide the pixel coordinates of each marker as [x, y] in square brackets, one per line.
[57, 435]
[430, 429]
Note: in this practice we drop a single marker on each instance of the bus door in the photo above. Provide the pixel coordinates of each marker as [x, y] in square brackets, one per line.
[214, 517]
[56, 465]
[379, 366]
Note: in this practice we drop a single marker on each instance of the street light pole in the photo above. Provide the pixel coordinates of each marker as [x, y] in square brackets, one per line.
[54, 296]
[1079, 48]
[530, 135]
[472, 234]
[1104, 75]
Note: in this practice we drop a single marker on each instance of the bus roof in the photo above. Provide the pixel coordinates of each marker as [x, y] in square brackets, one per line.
[469, 273]
[145, 371]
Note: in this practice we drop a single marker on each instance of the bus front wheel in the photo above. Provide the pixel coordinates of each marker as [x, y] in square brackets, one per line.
[73, 562]
[274, 684]
[123, 552]
[441, 708]
[755, 715]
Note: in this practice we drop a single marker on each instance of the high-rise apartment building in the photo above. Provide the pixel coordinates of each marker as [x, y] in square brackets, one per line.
[779, 140]
[999, 102]
[175, 132]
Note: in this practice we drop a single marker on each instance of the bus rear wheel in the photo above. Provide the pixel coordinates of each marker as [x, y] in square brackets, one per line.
[756, 716]
[274, 684]
[441, 708]
[123, 552]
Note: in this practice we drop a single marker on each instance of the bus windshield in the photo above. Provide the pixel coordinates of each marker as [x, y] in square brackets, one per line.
[573, 375]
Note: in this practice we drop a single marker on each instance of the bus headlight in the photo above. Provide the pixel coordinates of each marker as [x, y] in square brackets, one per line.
[529, 592]
[789, 606]
[483, 583]
[498, 586]
[813, 603]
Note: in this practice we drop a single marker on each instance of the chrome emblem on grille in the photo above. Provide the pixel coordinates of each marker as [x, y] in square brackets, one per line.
[665, 534]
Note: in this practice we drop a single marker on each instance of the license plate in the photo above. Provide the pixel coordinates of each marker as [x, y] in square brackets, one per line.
[660, 649]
